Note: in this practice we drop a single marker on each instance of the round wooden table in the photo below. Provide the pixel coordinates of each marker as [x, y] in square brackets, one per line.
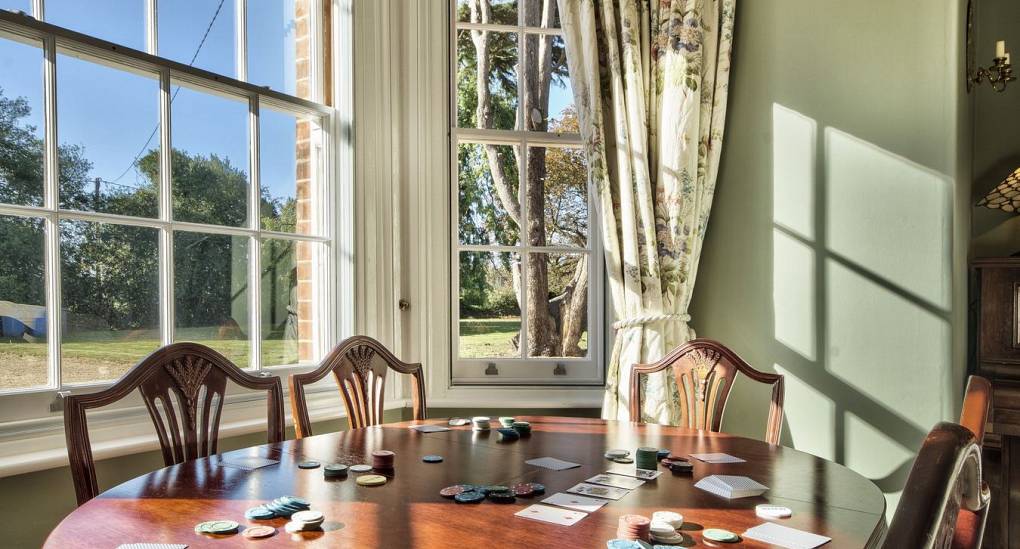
[164, 506]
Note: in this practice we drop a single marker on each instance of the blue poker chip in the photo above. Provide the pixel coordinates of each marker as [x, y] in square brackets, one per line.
[432, 459]
[538, 488]
[294, 500]
[663, 453]
[508, 435]
[259, 513]
[470, 487]
[469, 497]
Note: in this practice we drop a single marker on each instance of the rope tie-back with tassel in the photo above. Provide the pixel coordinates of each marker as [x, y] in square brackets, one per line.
[635, 321]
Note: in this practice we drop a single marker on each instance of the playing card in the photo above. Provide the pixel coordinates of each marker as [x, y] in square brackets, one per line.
[429, 428]
[248, 463]
[643, 474]
[555, 515]
[552, 463]
[627, 483]
[784, 536]
[717, 458]
[607, 492]
[574, 501]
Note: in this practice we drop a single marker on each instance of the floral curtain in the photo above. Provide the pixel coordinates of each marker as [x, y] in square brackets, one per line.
[650, 81]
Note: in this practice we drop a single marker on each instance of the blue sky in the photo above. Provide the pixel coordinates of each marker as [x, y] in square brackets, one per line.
[112, 113]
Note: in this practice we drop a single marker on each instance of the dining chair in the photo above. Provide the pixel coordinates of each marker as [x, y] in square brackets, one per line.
[704, 371]
[977, 402]
[944, 480]
[183, 386]
[360, 365]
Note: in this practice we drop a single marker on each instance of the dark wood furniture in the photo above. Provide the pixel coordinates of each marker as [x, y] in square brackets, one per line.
[164, 506]
[704, 371]
[945, 479]
[977, 402]
[995, 355]
[183, 386]
[360, 365]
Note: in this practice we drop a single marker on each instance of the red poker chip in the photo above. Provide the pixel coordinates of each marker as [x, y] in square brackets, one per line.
[451, 491]
[523, 490]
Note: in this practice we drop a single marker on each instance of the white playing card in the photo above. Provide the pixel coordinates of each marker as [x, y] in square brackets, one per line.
[607, 492]
[784, 536]
[429, 428]
[643, 474]
[627, 483]
[555, 515]
[248, 463]
[717, 458]
[552, 463]
[574, 501]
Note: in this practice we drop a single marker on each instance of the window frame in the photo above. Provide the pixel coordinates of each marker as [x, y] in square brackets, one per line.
[522, 370]
[328, 150]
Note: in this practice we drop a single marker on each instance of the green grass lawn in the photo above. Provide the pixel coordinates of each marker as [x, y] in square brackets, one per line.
[493, 337]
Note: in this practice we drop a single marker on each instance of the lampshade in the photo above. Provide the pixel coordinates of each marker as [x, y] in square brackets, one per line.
[1006, 195]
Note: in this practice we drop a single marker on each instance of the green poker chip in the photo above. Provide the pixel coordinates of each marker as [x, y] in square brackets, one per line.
[720, 535]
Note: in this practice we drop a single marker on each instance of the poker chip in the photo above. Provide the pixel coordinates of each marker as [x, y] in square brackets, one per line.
[294, 500]
[459, 422]
[451, 491]
[335, 470]
[629, 544]
[294, 527]
[470, 487]
[617, 454]
[507, 421]
[360, 468]
[663, 453]
[522, 427]
[772, 511]
[371, 480]
[494, 488]
[538, 488]
[502, 496]
[633, 527]
[382, 459]
[720, 535]
[676, 520]
[469, 497]
[523, 490]
[480, 423]
[308, 465]
[659, 528]
[308, 517]
[647, 458]
[217, 527]
[432, 459]
[258, 532]
[623, 460]
[508, 435]
[259, 513]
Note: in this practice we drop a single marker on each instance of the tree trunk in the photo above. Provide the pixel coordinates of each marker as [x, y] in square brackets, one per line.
[574, 310]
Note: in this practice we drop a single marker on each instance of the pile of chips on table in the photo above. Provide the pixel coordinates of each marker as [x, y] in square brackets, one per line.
[471, 493]
[217, 527]
[665, 527]
[304, 521]
[480, 423]
[382, 460]
[634, 527]
[647, 458]
[280, 507]
[334, 471]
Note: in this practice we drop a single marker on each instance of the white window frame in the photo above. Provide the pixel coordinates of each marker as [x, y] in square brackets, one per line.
[523, 370]
[331, 158]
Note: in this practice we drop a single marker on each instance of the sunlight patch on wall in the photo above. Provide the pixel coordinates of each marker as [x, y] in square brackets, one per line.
[793, 294]
[793, 170]
[874, 455]
[810, 417]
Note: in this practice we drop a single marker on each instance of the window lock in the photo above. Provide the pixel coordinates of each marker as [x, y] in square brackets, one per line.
[491, 370]
[560, 369]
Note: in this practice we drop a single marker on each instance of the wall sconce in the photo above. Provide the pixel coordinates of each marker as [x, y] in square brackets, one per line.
[999, 73]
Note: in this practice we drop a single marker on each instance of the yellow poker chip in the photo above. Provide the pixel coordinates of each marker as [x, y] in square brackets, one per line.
[371, 480]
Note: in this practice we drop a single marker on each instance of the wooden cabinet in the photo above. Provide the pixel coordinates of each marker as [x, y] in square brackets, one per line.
[995, 354]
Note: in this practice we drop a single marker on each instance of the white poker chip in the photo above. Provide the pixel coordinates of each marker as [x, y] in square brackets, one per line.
[308, 517]
[675, 539]
[772, 511]
[662, 529]
[613, 454]
[676, 520]
[360, 468]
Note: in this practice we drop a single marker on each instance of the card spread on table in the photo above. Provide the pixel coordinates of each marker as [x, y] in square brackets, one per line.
[643, 474]
[555, 515]
[248, 463]
[552, 463]
[717, 458]
[784, 536]
[574, 501]
[627, 483]
[731, 486]
[152, 546]
[607, 492]
[429, 428]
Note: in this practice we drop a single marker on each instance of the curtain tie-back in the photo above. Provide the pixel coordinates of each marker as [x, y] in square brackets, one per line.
[647, 319]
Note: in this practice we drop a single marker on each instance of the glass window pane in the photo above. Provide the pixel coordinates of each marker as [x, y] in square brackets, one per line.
[562, 175]
[558, 286]
[541, 13]
[503, 12]
[288, 171]
[490, 311]
[24, 6]
[493, 105]
[489, 201]
[210, 158]
[289, 304]
[118, 21]
[109, 157]
[548, 97]
[279, 48]
[21, 122]
[211, 293]
[23, 326]
[200, 33]
[110, 291]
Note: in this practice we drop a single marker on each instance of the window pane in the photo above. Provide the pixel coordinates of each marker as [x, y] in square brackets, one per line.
[110, 292]
[24, 6]
[498, 99]
[562, 331]
[199, 33]
[211, 293]
[503, 12]
[109, 160]
[489, 201]
[541, 13]
[210, 160]
[490, 312]
[548, 98]
[22, 304]
[119, 21]
[21, 123]
[289, 310]
[561, 173]
[288, 171]
[279, 49]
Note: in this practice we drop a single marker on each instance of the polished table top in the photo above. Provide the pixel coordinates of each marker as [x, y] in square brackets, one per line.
[165, 505]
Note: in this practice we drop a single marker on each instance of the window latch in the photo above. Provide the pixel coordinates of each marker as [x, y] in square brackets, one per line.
[58, 401]
[492, 370]
[560, 369]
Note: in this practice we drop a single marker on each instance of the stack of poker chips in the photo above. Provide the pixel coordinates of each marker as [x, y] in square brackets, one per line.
[664, 532]
[382, 460]
[216, 527]
[480, 423]
[506, 421]
[280, 507]
[303, 521]
[634, 527]
[500, 494]
[646, 458]
[508, 435]
[676, 520]
[334, 471]
[627, 544]
[523, 428]
[678, 466]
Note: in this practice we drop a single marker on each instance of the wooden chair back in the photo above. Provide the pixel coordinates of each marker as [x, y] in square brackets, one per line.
[183, 386]
[360, 365]
[944, 481]
[977, 404]
[704, 371]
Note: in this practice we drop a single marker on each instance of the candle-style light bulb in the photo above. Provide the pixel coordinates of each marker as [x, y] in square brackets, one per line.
[1007, 58]
[1000, 48]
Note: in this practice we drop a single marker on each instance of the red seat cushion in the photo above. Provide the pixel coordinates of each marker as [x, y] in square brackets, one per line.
[968, 530]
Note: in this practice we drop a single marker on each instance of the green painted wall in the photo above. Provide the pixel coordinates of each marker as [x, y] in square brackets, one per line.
[836, 251]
